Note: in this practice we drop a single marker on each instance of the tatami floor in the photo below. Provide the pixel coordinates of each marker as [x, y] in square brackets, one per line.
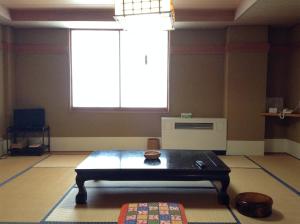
[42, 190]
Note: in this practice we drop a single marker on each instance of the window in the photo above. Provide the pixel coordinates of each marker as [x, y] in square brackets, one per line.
[119, 69]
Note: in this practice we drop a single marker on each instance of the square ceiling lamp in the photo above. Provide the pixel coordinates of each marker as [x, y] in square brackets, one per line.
[145, 14]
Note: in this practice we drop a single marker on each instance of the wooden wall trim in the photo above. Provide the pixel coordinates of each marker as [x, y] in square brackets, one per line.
[35, 48]
[175, 49]
[183, 15]
[40, 48]
[220, 49]
[247, 47]
[198, 49]
[62, 14]
[6, 46]
[284, 48]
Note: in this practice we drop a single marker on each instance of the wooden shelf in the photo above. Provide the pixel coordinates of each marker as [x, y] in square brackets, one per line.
[277, 115]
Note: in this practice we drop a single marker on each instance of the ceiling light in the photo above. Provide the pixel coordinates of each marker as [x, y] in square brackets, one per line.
[145, 14]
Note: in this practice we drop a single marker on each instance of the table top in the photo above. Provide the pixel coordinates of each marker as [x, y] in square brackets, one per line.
[135, 160]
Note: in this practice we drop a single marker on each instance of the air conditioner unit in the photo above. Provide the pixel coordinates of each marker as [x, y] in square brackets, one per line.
[194, 133]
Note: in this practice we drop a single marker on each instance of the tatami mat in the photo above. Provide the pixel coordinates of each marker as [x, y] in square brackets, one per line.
[104, 204]
[284, 167]
[12, 165]
[149, 184]
[238, 162]
[29, 197]
[62, 161]
[286, 203]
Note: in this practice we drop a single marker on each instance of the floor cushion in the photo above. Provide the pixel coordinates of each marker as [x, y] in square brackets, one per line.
[152, 213]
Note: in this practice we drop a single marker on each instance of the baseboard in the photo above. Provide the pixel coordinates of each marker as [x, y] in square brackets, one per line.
[97, 143]
[88, 144]
[245, 147]
[293, 148]
[3, 144]
[276, 145]
[1, 147]
[283, 146]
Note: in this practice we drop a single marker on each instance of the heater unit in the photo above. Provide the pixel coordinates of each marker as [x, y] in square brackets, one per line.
[194, 133]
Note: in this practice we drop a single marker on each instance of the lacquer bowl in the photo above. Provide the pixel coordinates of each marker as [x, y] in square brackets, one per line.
[152, 154]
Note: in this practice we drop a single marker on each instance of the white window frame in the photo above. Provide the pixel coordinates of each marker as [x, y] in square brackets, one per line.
[117, 109]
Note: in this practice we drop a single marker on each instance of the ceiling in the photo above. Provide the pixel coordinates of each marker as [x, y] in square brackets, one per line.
[273, 12]
[186, 4]
[189, 13]
[39, 4]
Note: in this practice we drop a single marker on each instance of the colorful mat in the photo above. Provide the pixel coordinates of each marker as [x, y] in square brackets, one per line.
[152, 213]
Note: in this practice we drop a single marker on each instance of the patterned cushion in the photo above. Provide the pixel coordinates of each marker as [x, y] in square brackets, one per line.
[152, 213]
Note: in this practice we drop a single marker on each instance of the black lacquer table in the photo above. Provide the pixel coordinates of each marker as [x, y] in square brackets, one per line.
[173, 165]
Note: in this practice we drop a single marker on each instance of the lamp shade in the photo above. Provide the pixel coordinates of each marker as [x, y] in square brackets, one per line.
[145, 14]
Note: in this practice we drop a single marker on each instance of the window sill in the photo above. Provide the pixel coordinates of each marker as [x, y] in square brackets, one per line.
[120, 110]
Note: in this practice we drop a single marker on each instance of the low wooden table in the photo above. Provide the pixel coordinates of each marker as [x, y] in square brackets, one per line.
[173, 165]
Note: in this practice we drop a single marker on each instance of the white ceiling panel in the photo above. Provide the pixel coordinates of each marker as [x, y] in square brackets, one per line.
[206, 4]
[186, 4]
[31, 4]
[272, 12]
[262, 12]
[67, 24]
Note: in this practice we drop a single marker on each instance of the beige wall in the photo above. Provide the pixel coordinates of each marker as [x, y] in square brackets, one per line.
[197, 77]
[202, 81]
[293, 84]
[9, 73]
[42, 80]
[6, 78]
[2, 105]
[278, 72]
[208, 83]
[245, 82]
[284, 80]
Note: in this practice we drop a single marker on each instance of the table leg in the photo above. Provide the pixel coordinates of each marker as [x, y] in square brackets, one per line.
[82, 195]
[222, 195]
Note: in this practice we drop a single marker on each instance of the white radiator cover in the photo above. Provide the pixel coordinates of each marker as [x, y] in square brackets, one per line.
[194, 133]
